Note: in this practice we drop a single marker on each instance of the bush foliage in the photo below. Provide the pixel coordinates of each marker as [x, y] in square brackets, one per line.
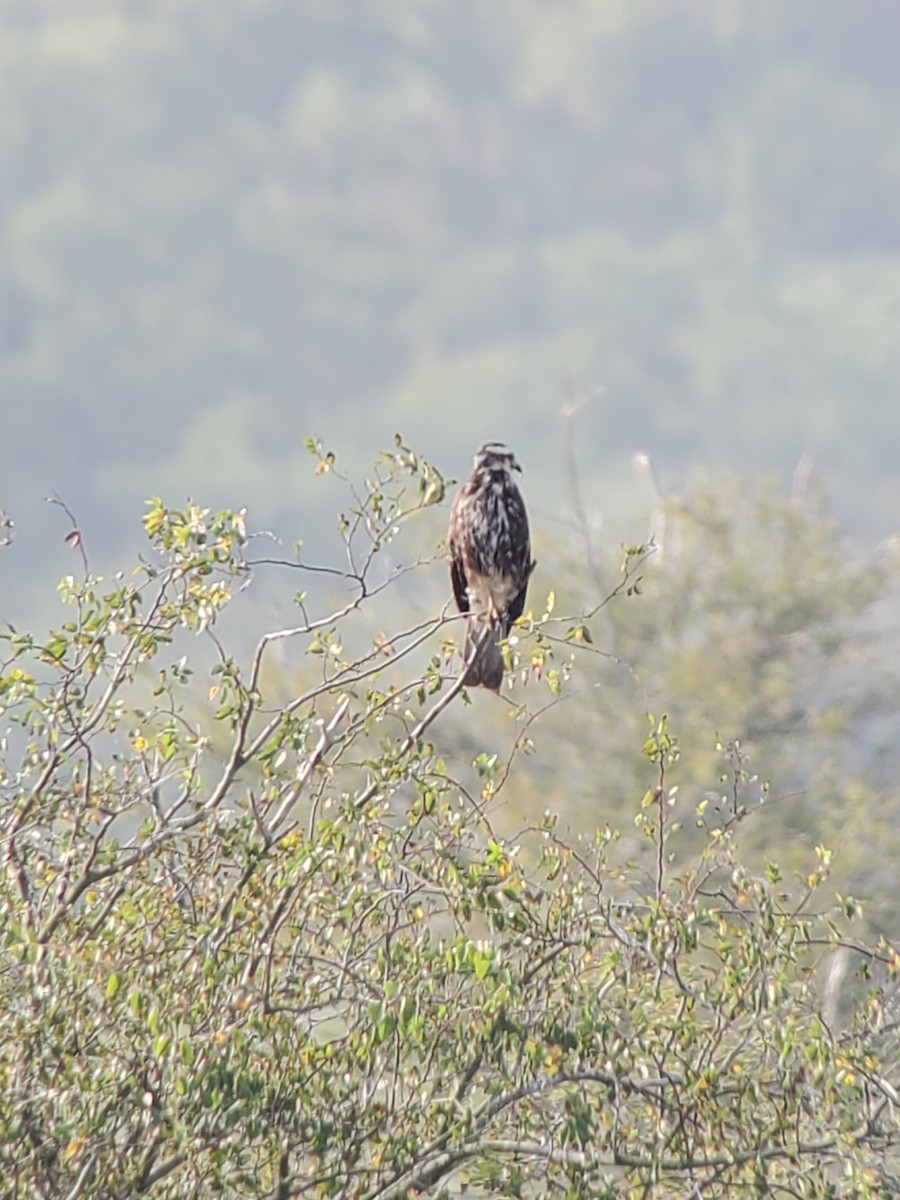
[256, 946]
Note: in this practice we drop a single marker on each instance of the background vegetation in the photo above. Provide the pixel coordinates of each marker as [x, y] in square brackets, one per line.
[224, 225]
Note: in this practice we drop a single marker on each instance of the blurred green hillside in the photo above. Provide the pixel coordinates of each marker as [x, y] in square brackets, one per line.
[228, 224]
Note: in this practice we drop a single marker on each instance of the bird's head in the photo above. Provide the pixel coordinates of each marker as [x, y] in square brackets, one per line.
[494, 456]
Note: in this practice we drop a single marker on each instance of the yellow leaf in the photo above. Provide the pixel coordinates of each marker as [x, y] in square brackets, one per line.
[74, 1146]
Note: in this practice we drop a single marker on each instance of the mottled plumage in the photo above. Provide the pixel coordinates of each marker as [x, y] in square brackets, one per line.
[490, 558]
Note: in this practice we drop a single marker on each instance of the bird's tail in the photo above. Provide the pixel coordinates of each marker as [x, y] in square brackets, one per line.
[482, 640]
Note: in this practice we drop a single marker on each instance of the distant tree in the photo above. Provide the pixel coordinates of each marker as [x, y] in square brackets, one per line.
[256, 947]
[767, 636]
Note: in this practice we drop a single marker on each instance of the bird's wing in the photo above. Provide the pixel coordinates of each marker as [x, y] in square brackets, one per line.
[517, 604]
[521, 563]
[458, 578]
[457, 565]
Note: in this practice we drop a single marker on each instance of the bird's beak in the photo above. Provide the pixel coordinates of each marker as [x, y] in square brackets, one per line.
[516, 466]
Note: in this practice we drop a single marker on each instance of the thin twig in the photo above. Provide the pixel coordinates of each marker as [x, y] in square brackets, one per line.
[74, 536]
[570, 411]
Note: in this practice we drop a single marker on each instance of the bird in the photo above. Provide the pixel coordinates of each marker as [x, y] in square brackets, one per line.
[490, 560]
